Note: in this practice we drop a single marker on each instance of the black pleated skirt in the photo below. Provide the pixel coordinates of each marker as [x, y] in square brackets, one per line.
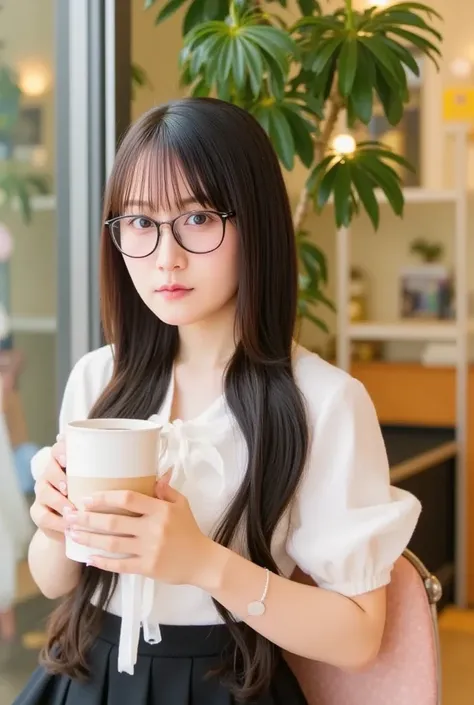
[173, 672]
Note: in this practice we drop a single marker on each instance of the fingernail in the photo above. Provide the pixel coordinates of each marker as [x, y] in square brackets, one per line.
[63, 487]
[59, 437]
[62, 460]
[87, 501]
[67, 511]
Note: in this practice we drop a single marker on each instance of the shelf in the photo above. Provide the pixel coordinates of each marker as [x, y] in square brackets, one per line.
[39, 203]
[44, 203]
[423, 331]
[422, 195]
[33, 324]
[418, 195]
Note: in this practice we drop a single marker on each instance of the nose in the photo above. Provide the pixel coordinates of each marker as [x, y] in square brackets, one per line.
[169, 255]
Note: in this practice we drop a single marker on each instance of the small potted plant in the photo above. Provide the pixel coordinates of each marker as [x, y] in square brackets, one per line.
[426, 289]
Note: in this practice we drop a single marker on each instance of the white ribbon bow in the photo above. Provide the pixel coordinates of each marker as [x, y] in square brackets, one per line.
[187, 445]
[183, 447]
[137, 604]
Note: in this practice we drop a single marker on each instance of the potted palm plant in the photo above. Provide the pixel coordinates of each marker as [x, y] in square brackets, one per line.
[297, 75]
[17, 183]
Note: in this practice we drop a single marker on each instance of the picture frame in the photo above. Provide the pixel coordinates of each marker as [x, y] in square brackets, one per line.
[426, 292]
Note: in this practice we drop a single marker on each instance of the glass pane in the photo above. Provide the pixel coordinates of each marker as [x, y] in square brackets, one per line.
[27, 304]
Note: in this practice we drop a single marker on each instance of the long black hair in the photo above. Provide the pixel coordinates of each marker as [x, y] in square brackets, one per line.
[229, 164]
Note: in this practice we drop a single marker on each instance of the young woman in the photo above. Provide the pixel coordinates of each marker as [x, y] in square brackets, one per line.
[278, 459]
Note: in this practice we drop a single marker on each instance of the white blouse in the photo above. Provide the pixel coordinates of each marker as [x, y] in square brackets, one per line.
[346, 526]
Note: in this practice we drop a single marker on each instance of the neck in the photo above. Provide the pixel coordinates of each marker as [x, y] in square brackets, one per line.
[209, 343]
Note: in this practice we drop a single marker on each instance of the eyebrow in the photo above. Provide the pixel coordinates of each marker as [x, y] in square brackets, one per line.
[145, 204]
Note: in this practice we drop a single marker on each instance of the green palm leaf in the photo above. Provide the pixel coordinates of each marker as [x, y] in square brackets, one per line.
[201, 11]
[271, 40]
[326, 186]
[390, 98]
[282, 137]
[201, 89]
[385, 59]
[327, 51]
[361, 96]
[383, 20]
[301, 133]
[313, 258]
[253, 66]
[342, 194]
[347, 66]
[405, 56]
[318, 171]
[304, 311]
[242, 55]
[422, 44]
[308, 7]
[365, 185]
[169, 9]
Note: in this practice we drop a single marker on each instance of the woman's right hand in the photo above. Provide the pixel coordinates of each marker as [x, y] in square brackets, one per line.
[51, 502]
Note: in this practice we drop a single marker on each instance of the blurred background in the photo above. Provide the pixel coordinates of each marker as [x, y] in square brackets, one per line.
[386, 291]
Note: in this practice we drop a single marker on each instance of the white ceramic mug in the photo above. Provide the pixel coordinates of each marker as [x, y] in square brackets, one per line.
[108, 454]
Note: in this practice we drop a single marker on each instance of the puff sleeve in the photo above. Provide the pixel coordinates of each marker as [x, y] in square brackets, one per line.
[348, 525]
[85, 383]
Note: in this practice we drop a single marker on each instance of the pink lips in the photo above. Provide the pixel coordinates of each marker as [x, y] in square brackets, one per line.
[173, 291]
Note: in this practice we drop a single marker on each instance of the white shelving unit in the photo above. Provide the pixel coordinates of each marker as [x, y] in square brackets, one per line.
[39, 203]
[33, 324]
[458, 330]
[406, 330]
[36, 324]
[44, 203]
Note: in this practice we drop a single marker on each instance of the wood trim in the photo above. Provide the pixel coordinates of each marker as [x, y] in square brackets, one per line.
[410, 393]
[421, 462]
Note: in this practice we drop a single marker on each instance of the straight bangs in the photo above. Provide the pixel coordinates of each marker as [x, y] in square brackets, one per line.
[160, 170]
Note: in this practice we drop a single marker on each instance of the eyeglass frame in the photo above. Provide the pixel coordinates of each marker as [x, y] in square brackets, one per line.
[224, 216]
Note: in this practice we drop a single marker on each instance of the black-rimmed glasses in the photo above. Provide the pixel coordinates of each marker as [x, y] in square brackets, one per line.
[199, 232]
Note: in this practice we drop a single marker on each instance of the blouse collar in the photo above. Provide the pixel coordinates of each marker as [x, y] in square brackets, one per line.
[186, 444]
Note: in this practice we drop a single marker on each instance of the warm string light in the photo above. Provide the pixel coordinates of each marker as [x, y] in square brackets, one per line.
[344, 144]
[34, 80]
[460, 68]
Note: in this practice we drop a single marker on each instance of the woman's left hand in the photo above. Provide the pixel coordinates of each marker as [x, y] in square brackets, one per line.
[165, 541]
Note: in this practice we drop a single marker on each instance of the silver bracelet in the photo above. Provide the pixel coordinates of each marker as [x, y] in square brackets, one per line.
[257, 608]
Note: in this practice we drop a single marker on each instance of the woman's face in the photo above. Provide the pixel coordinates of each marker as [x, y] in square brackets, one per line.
[208, 282]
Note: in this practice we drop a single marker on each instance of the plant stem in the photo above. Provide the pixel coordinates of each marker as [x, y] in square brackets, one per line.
[336, 105]
[349, 15]
[233, 13]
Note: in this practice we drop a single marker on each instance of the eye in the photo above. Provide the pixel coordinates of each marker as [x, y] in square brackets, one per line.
[198, 219]
[141, 223]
